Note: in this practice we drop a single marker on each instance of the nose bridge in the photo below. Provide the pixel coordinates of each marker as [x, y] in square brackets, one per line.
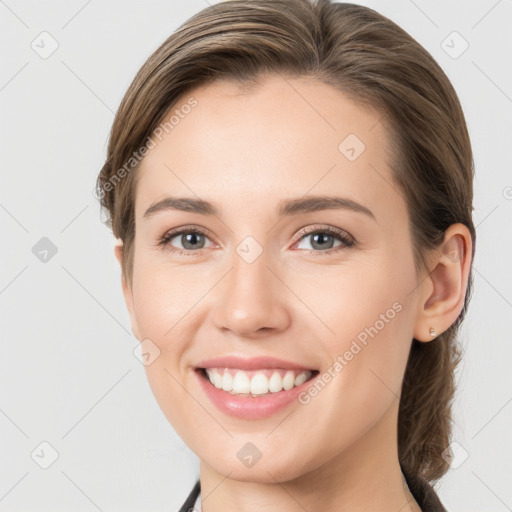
[250, 273]
[252, 296]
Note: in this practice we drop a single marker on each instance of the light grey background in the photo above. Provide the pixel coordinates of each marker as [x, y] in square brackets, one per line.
[68, 373]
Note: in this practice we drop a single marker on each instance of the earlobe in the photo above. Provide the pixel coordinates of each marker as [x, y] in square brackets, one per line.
[445, 286]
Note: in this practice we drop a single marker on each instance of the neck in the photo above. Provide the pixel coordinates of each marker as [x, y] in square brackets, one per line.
[365, 476]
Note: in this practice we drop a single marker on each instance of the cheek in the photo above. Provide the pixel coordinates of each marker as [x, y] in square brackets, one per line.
[369, 315]
[163, 307]
[349, 300]
[164, 300]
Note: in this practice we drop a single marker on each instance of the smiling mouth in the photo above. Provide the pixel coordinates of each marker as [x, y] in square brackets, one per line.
[256, 383]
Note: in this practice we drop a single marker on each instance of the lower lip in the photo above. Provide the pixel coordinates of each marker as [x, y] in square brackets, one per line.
[249, 407]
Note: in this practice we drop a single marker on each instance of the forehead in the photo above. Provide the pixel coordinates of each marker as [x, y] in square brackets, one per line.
[280, 137]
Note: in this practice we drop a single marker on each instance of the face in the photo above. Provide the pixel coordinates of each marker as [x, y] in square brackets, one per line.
[327, 287]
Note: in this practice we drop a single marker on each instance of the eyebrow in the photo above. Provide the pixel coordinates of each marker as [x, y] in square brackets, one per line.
[286, 207]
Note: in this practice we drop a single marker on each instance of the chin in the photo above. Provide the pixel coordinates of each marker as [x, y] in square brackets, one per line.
[269, 469]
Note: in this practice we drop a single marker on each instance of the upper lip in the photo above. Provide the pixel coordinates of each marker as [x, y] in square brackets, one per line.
[254, 363]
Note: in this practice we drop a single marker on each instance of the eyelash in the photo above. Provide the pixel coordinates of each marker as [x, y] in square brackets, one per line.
[343, 236]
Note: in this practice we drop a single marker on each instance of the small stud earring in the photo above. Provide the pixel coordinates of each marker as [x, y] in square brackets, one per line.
[432, 332]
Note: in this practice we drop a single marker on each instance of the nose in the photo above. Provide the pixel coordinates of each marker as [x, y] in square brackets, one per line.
[253, 300]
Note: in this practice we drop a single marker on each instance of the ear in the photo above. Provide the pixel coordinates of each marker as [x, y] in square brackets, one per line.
[127, 290]
[443, 291]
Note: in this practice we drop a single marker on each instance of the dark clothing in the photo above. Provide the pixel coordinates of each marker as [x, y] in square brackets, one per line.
[191, 499]
[424, 494]
[422, 491]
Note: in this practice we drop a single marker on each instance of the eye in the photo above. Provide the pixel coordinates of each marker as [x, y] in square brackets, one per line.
[323, 239]
[190, 239]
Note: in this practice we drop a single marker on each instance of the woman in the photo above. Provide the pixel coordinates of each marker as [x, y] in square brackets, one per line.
[291, 185]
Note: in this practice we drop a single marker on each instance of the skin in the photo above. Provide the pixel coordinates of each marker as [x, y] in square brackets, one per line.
[246, 150]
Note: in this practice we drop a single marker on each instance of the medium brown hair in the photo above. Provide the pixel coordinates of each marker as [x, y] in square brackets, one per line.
[374, 61]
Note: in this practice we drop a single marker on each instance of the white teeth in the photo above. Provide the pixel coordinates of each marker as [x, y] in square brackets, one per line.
[275, 383]
[289, 380]
[217, 380]
[301, 378]
[241, 383]
[259, 384]
[227, 381]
